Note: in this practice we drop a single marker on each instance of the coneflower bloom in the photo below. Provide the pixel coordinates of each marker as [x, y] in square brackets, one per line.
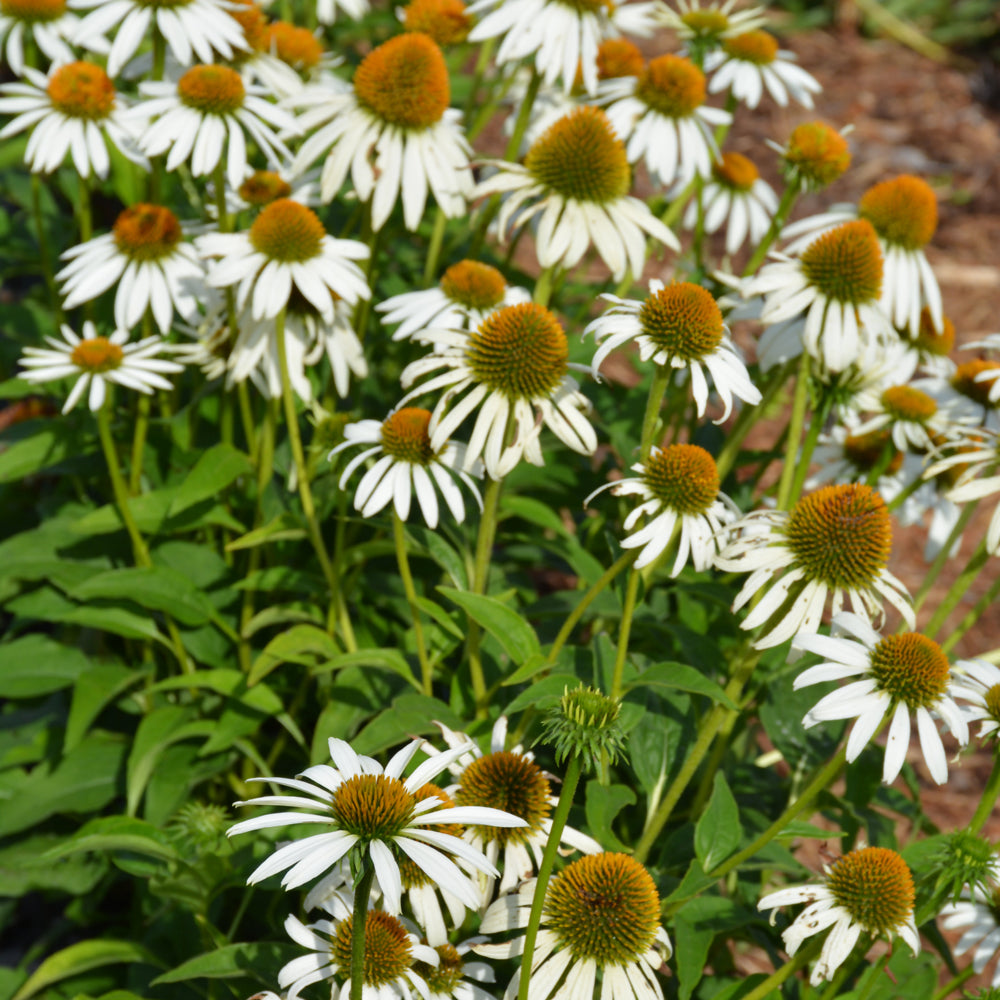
[869, 891]
[74, 111]
[407, 465]
[746, 64]
[977, 682]
[193, 29]
[601, 913]
[97, 361]
[514, 365]
[374, 812]
[45, 22]
[977, 912]
[146, 257]
[703, 26]
[894, 676]
[206, 116]
[662, 117]
[912, 416]
[575, 182]
[834, 543]
[678, 326]
[327, 11]
[286, 248]
[814, 156]
[678, 488]
[393, 130]
[903, 211]
[448, 22]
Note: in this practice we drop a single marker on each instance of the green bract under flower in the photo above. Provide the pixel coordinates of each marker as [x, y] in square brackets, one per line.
[585, 726]
[33, 11]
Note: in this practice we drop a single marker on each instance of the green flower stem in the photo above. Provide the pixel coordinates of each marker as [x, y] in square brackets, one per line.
[698, 240]
[543, 286]
[989, 798]
[44, 251]
[85, 210]
[482, 61]
[657, 390]
[951, 988]
[480, 574]
[784, 208]
[140, 552]
[958, 590]
[624, 631]
[984, 602]
[795, 424]
[488, 108]
[816, 426]
[674, 208]
[588, 598]
[511, 153]
[747, 418]
[362, 891]
[139, 442]
[802, 958]
[721, 131]
[302, 469]
[900, 498]
[247, 419]
[399, 537]
[434, 250]
[944, 556]
[559, 818]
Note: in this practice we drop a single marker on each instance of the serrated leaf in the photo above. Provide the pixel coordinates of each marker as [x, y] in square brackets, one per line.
[82, 957]
[300, 644]
[681, 677]
[718, 831]
[514, 634]
[116, 833]
[36, 664]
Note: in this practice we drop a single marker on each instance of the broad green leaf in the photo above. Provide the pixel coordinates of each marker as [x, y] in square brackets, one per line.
[695, 926]
[513, 633]
[116, 833]
[98, 687]
[82, 957]
[438, 614]
[409, 714]
[36, 664]
[213, 472]
[442, 553]
[384, 659]
[301, 644]
[543, 693]
[151, 512]
[44, 444]
[285, 527]
[533, 665]
[681, 677]
[25, 866]
[718, 831]
[233, 961]
[604, 803]
[533, 511]
[781, 715]
[230, 683]
[656, 741]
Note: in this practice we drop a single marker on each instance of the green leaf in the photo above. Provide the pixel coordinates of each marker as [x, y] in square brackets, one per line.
[300, 644]
[82, 957]
[604, 803]
[533, 511]
[384, 659]
[543, 693]
[438, 614]
[695, 927]
[36, 664]
[681, 677]
[781, 715]
[99, 686]
[46, 443]
[533, 665]
[231, 962]
[514, 634]
[718, 831]
[25, 867]
[116, 833]
[285, 527]
[213, 472]
[409, 713]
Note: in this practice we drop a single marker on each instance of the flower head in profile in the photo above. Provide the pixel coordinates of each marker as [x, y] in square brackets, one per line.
[703, 26]
[511, 780]
[831, 292]
[466, 294]
[287, 248]
[406, 464]
[897, 676]
[903, 212]
[514, 365]
[869, 891]
[448, 22]
[678, 326]
[327, 11]
[97, 361]
[912, 417]
[663, 119]
[735, 196]
[393, 130]
[814, 156]
[46, 23]
[977, 914]
[575, 182]
[977, 683]
[375, 812]
[395, 961]
[834, 543]
[194, 30]
[678, 491]
[751, 62]
[206, 117]
[147, 259]
[73, 111]
[601, 913]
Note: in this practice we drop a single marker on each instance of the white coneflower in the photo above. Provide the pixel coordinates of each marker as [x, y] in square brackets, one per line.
[814, 156]
[74, 111]
[514, 365]
[97, 361]
[746, 64]
[393, 130]
[834, 543]
[977, 682]
[601, 913]
[678, 326]
[869, 891]
[977, 912]
[705, 25]
[407, 465]
[47, 23]
[895, 676]
[663, 120]
[575, 182]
